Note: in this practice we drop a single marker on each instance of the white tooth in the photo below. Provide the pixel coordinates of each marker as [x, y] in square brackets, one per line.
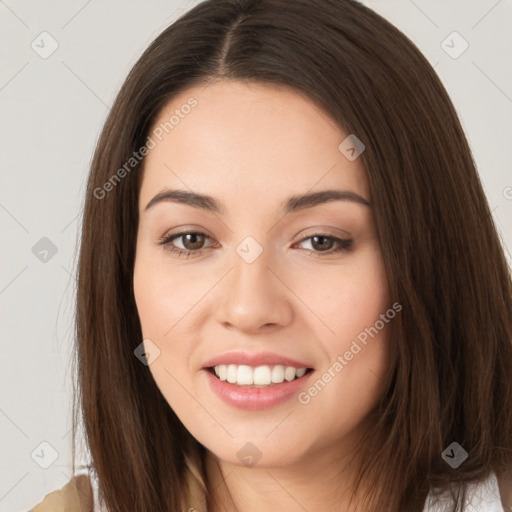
[278, 374]
[231, 375]
[265, 375]
[262, 375]
[300, 372]
[223, 372]
[244, 375]
[289, 373]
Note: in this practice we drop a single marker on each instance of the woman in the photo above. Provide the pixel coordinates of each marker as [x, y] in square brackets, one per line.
[291, 294]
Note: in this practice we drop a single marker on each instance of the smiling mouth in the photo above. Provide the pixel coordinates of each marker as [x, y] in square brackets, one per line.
[270, 376]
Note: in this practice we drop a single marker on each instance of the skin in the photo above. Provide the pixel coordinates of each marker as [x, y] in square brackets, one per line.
[251, 146]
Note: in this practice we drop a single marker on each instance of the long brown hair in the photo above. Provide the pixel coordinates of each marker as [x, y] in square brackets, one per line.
[450, 374]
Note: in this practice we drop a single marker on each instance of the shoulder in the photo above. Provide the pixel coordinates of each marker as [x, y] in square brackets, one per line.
[75, 496]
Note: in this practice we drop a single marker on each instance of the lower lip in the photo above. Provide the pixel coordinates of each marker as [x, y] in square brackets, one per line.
[255, 398]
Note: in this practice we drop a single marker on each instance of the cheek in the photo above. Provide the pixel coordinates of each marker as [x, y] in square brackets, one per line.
[159, 311]
[166, 304]
[352, 302]
[348, 298]
[149, 294]
[163, 295]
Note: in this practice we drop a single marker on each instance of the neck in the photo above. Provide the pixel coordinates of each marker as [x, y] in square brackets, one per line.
[323, 479]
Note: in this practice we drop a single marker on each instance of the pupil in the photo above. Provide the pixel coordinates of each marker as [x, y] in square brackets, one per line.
[195, 243]
[315, 241]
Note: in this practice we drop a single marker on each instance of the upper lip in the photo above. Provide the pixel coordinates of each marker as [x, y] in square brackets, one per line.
[255, 359]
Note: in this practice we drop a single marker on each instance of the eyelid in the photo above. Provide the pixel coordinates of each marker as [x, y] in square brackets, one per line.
[185, 230]
[325, 231]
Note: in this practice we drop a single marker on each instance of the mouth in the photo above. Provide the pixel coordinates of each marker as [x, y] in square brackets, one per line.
[265, 376]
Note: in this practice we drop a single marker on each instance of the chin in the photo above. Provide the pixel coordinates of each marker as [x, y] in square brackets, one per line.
[257, 451]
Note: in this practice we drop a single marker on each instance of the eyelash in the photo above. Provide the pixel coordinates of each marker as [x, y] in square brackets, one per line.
[344, 244]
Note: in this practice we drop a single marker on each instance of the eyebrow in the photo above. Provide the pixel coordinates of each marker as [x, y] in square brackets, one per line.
[292, 204]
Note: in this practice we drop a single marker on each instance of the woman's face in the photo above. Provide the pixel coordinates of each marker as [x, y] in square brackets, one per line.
[258, 279]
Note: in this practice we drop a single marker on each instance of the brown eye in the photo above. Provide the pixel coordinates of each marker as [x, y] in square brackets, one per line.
[186, 244]
[193, 241]
[326, 244]
[322, 243]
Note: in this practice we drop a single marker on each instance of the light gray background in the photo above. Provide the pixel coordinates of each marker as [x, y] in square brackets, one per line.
[52, 110]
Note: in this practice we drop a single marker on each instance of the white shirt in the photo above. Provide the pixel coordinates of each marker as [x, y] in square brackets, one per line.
[482, 497]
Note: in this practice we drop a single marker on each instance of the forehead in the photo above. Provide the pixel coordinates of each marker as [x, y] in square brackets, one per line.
[237, 140]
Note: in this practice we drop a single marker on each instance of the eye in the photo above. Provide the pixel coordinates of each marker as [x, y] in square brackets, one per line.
[192, 242]
[327, 244]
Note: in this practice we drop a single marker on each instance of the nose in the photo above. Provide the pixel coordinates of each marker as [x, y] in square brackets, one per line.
[254, 297]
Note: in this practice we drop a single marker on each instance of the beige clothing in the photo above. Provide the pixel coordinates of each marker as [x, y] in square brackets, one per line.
[78, 496]
[75, 496]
